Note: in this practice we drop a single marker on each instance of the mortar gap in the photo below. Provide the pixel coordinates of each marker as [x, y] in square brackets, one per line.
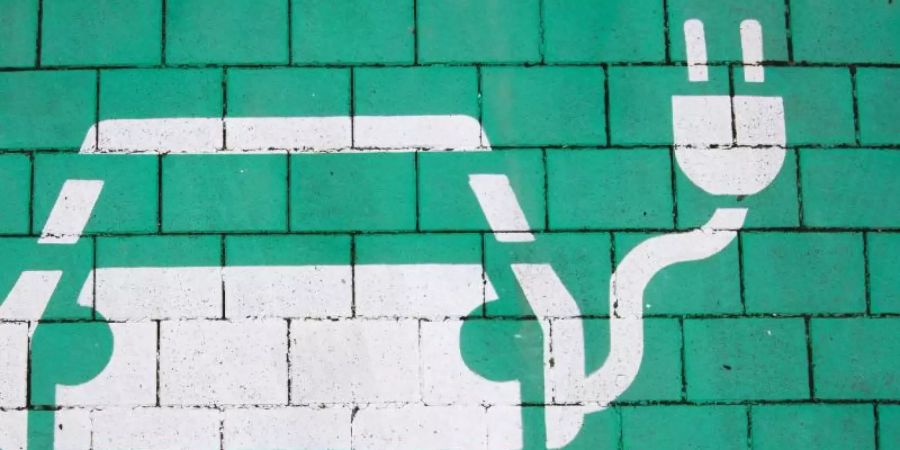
[546, 190]
[418, 194]
[288, 357]
[854, 89]
[731, 104]
[40, 32]
[749, 412]
[158, 352]
[484, 276]
[541, 32]
[877, 417]
[666, 37]
[352, 108]
[797, 175]
[867, 282]
[673, 166]
[809, 359]
[353, 275]
[415, 6]
[162, 55]
[224, 107]
[741, 280]
[290, 31]
[605, 67]
[222, 262]
[788, 31]
[159, 192]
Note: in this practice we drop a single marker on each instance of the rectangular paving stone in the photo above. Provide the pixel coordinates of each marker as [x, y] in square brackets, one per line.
[418, 91]
[716, 427]
[75, 261]
[888, 425]
[127, 201]
[640, 101]
[580, 260]
[84, 32]
[189, 349]
[475, 31]
[544, 105]
[19, 33]
[878, 95]
[818, 102]
[353, 31]
[850, 188]
[609, 189]
[293, 92]
[15, 175]
[840, 32]
[287, 276]
[855, 358]
[884, 271]
[795, 273]
[160, 93]
[448, 202]
[721, 24]
[620, 31]
[145, 277]
[237, 32]
[224, 193]
[353, 192]
[659, 378]
[745, 359]
[156, 428]
[774, 206]
[13, 365]
[709, 286]
[819, 426]
[323, 427]
[46, 110]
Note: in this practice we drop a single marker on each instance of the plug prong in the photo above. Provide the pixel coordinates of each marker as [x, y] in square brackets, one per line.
[752, 49]
[695, 44]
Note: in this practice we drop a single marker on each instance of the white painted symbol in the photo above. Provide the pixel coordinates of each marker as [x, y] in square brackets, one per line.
[407, 373]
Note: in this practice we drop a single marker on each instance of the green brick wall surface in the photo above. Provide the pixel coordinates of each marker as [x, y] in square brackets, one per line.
[789, 338]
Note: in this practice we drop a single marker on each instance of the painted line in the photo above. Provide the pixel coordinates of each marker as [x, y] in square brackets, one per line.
[71, 212]
[752, 49]
[501, 207]
[199, 135]
[29, 296]
[695, 44]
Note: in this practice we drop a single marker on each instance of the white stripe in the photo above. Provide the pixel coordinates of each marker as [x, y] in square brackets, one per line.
[752, 48]
[501, 208]
[169, 135]
[695, 45]
[287, 133]
[71, 212]
[29, 296]
[418, 290]
[435, 132]
[141, 293]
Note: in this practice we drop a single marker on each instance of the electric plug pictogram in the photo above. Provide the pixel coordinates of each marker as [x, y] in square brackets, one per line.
[728, 145]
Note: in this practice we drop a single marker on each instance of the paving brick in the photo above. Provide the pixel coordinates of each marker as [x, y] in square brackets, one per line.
[659, 378]
[774, 206]
[721, 23]
[264, 277]
[364, 192]
[294, 92]
[640, 101]
[889, 426]
[838, 187]
[15, 173]
[709, 286]
[884, 272]
[804, 273]
[133, 282]
[14, 424]
[544, 105]
[621, 31]
[839, 32]
[676, 426]
[46, 110]
[118, 32]
[855, 358]
[410, 91]
[818, 102]
[231, 193]
[580, 260]
[156, 428]
[447, 202]
[160, 93]
[74, 261]
[19, 32]
[66, 354]
[745, 359]
[13, 364]
[877, 93]
[417, 426]
[208, 32]
[248, 359]
[599, 430]
[476, 31]
[427, 275]
[354, 361]
[323, 427]
[127, 201]
[353, 31]
[617, 189]
[820, 426]
[130, 377]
